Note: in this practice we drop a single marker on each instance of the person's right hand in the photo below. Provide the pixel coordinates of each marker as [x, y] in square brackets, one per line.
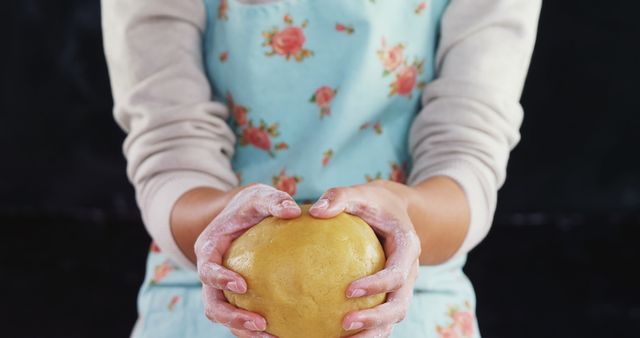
[247, 208]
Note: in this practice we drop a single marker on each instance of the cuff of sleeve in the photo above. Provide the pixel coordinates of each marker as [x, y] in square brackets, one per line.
[156, 206]
[480, 208]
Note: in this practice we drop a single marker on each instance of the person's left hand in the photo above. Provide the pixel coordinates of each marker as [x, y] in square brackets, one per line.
[384, 207]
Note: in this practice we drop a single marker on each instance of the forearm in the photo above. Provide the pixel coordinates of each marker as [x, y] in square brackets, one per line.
[193, 212]
[440, 215]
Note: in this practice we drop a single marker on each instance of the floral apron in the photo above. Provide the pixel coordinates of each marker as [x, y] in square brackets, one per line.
[321, 94]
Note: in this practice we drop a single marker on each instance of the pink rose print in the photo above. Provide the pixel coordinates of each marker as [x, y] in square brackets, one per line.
[224, 56]
[394, 62]
[239, 112]
[406, 79]
[326, 157]
[172, 303]
[288, 42]
[154, 247]
[223, 7]
[322, 98]
[398, 173]
[251, 135]
[447, 332]
[257, 137]
[282, 146]
[344, 28]
[377, 127]
[421, 7]
[392, 57]
[462, 323]
[161, 271]
[288, 184]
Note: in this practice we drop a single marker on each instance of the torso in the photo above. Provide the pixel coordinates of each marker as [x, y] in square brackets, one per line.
[321, 93]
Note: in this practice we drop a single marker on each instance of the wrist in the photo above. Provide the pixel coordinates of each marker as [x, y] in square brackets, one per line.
[440, 213]
[193, 212]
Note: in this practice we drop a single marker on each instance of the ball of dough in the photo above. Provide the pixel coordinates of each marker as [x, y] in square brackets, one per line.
[298, 270]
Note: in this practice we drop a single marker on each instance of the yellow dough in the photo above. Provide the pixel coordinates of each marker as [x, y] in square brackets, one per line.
[297, 272]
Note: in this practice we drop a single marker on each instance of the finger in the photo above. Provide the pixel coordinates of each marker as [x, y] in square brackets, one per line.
[383, 332]
[393, 311]
[250, 334]
[218, 310]
[396, 273]
[401, 245]
[283, 206]
[331, 203]
[216, 276]
[264, 200]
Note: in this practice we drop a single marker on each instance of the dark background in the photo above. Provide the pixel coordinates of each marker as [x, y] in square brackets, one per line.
[560, 261]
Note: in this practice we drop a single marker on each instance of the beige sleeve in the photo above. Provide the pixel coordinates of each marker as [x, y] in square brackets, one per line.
[471, 113]
[177, 137]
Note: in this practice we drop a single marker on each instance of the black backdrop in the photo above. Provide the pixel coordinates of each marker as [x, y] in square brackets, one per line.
[559, 262]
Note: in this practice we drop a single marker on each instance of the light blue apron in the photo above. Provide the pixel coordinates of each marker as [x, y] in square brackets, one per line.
[321, 94]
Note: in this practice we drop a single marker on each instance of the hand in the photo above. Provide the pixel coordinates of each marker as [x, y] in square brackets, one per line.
[380, 205]
[247, 208]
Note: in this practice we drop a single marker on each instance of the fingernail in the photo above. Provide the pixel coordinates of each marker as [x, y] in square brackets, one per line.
[288, 204]
[322, 203]
[356, 293]
[251, 326]
[355, 326]
[234, 287]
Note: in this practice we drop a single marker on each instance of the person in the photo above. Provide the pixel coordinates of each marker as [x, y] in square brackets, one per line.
[400, 112]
